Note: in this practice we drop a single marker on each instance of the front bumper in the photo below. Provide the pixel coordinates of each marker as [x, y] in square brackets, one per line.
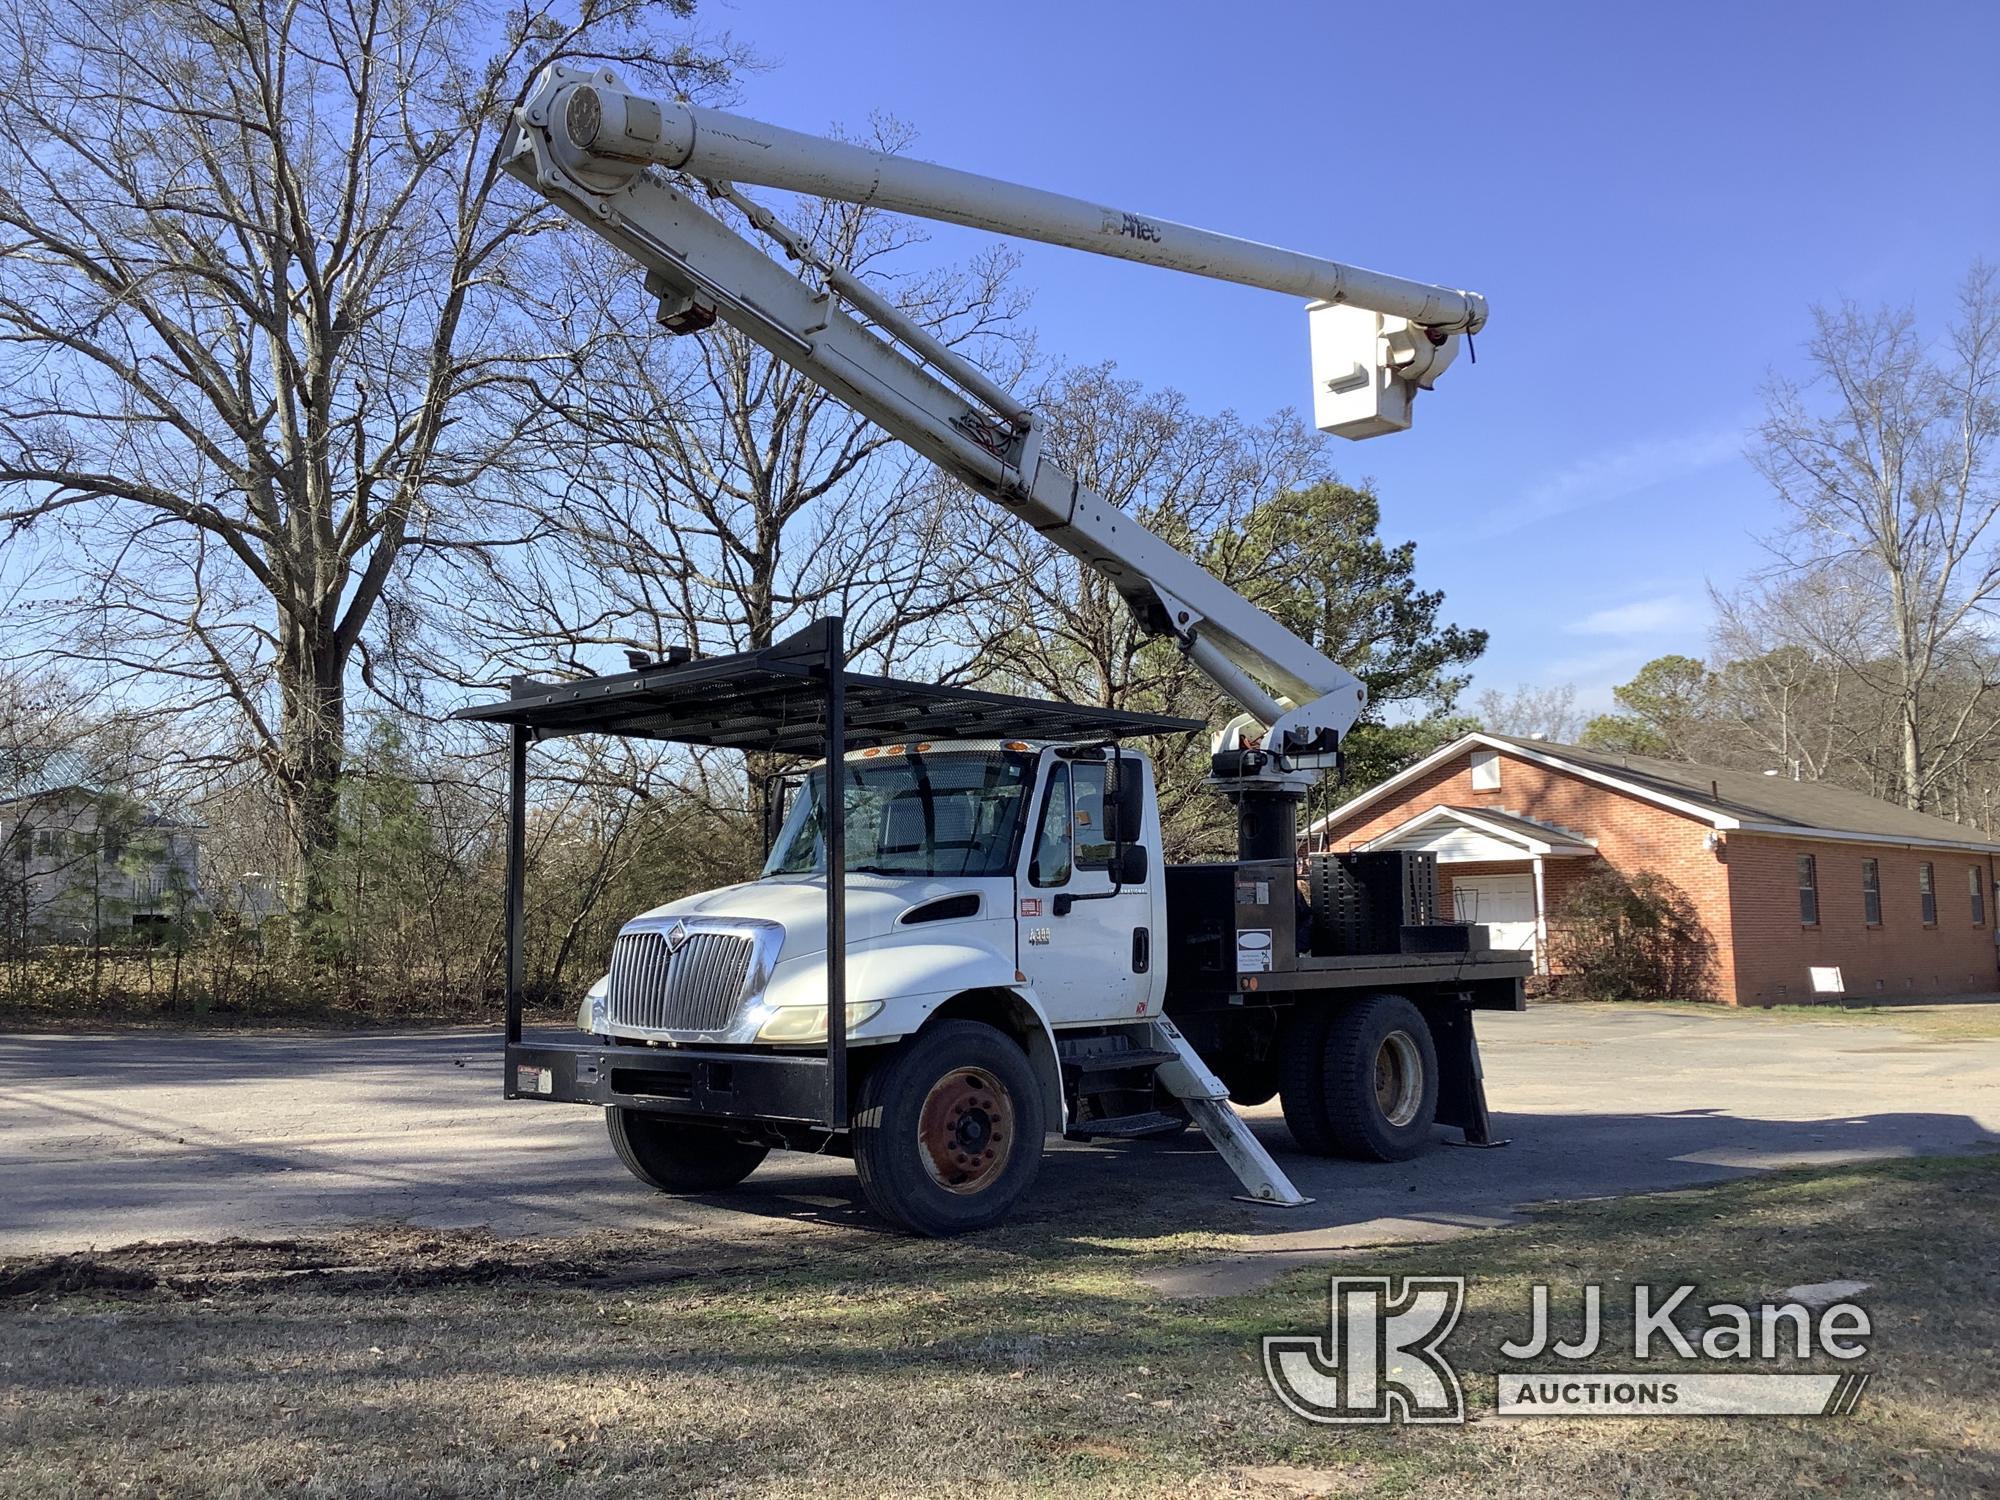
[717, 1085]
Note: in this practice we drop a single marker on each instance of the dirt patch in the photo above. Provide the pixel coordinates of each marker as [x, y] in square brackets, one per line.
[1283, 1482]
[369, 1258]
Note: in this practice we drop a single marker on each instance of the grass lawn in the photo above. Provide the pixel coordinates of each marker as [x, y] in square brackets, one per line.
[1936, 1021]
[848, 1362]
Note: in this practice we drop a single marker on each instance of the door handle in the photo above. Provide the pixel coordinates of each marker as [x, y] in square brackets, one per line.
[1142, 949]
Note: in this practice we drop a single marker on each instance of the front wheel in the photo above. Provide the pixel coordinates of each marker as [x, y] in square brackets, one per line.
[949, 1131]
[680, 1158]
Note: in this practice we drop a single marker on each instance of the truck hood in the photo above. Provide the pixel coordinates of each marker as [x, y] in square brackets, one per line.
[874, 902]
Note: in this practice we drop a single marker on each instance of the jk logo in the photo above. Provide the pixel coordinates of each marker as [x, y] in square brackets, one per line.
[1379, 1360]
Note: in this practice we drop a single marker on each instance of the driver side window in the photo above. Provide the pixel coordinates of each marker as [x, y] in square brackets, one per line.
[1051, 864]
[1092, 827]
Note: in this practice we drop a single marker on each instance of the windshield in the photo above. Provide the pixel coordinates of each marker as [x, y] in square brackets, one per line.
[955, 813]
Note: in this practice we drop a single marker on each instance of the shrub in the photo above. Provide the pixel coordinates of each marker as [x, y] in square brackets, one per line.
[1615, 937]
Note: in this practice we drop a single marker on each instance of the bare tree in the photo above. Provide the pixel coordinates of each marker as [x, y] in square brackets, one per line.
[1257, 506]
[1061, 628]
[714, 497]
[1548, 713]
[1781, 696]
[1053, 627]
[1884, 459]
[267, 329]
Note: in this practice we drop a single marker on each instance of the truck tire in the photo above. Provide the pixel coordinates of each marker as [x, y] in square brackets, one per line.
[1302, 1078]
[949, 1131]
[1381, 1080]
[677, 1157]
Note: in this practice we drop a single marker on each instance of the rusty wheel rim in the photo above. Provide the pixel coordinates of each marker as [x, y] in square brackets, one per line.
[965, 1131]
[1399, 1078]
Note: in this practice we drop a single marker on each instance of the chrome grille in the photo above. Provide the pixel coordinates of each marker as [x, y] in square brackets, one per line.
[695, 984]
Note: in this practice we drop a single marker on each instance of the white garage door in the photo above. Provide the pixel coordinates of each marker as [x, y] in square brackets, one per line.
[1505, 903]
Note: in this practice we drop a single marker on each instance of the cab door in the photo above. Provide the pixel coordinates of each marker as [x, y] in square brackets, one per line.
[1085, 942]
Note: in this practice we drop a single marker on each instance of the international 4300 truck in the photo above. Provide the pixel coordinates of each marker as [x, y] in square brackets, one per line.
[964, 938]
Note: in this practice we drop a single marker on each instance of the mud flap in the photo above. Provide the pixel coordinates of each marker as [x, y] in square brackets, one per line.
[1206, 1097]
[1461, 1079]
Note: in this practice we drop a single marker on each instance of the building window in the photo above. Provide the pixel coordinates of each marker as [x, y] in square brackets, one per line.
[1976, 887]
[1927, 892]
[1486, 770]
[1808, 891]
[1871, 892]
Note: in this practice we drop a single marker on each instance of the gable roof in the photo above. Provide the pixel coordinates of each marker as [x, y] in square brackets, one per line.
[55, 778]
[26, 772]
[1724, 799]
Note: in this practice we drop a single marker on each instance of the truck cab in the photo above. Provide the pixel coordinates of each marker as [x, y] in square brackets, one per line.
[982, 866]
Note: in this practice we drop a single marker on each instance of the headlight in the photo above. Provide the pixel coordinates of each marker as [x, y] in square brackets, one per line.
[807, 1023]
[592, 1015]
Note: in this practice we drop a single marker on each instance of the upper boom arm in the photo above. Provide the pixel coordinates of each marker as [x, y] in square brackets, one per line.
[585, 143]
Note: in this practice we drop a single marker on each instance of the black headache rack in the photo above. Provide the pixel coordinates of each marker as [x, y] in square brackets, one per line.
[794, 697]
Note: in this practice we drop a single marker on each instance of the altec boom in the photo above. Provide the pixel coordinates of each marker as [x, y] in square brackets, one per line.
[587, 143]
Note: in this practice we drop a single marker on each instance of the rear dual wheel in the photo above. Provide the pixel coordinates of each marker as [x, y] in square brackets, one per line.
[1360, 1081]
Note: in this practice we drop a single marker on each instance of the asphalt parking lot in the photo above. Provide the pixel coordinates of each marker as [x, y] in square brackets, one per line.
[110, 1139]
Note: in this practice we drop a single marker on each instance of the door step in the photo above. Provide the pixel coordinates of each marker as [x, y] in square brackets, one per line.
[1087, 1064]
[1123, 1127]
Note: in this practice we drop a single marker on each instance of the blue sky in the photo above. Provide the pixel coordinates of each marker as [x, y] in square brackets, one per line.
[1650, 197]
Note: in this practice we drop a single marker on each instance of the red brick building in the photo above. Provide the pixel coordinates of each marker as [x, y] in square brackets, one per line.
[1808, 891]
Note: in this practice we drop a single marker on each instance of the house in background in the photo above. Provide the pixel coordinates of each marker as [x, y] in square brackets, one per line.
[1808, 891]
[77, 856]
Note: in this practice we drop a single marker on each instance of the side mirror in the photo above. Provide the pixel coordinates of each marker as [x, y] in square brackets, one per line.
[1125, 805]
[1131, 865]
